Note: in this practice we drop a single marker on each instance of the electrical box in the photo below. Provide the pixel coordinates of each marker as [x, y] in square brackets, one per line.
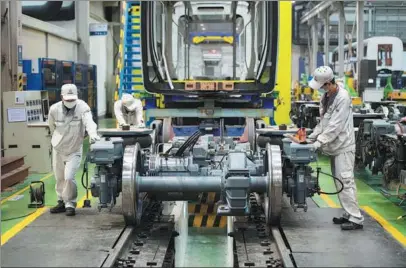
[26, 131]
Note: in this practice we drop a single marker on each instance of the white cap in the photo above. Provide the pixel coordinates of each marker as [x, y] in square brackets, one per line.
[128, 101]
[321, 75]
[69, 92]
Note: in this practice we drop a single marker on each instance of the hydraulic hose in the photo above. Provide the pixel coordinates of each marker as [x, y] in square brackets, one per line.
[330, 175]
[85, 172]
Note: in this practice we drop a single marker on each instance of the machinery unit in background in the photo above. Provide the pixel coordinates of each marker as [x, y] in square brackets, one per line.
[371, 149]
[51, 74]
[26, 131]
[188, 166]
[305, 113]
[91, 90]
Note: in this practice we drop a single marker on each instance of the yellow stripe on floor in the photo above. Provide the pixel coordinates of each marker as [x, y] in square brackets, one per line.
[384, 223]
[21, 225]
[29, 219]
[24, 189]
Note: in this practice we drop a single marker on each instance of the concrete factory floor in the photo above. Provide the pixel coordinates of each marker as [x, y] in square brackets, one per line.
[16, 216]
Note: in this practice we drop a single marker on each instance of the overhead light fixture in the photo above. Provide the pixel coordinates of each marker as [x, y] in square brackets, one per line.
[203, 29]
[201, 24]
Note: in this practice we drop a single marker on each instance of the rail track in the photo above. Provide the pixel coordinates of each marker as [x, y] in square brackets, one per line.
[152, 243]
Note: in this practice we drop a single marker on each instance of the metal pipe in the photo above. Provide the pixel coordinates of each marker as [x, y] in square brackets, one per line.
[234, 10]
[168, 76]
[158, 184]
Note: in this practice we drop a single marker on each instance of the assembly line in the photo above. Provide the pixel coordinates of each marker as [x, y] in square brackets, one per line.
[211, 157]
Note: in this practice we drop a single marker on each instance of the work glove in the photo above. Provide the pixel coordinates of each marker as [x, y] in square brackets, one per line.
[316, 145]
[141, 125]
[310, 141]
[94, 138]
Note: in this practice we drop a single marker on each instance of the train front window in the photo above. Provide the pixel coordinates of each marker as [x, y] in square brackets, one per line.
[219, 40]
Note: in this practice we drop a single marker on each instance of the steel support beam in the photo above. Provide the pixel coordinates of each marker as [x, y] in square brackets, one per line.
[341, 37]
[11, 38]
[326, 36]
[315, 44]
[82, 14]
[360, 38]
[316, 11]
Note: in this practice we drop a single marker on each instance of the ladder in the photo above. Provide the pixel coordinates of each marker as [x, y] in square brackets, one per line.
[129, 78]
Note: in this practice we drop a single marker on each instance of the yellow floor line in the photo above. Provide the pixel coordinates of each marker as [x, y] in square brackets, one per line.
[330, 202]
[29, 219]
[21, 225]
[24, 189]
[384, 223]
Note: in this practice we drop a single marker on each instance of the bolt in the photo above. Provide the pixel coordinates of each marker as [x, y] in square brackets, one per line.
[261, 235]
[142, 235]
[265, 243]
[135, 251]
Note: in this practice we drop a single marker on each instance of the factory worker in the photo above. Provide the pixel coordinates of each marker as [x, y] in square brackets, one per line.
[68, 121]
[334, 135]
[129, 111]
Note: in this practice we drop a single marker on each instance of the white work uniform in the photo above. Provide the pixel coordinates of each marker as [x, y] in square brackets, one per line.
[335, 133]
[134, 118]
[68, 132]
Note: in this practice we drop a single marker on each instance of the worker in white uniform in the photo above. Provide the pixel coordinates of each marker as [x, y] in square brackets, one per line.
[129, 111]
[68, 121]
[334, 136]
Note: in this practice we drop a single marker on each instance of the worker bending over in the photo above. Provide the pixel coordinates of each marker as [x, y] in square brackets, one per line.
[334, 135]
[68, 121]
[129, 111]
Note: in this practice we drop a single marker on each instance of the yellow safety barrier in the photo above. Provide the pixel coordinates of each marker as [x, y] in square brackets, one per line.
[20, 82]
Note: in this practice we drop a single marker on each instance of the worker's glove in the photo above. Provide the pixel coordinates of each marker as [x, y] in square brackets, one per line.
[316, 145]
[94, 138]
[141, 125]
[309, 141]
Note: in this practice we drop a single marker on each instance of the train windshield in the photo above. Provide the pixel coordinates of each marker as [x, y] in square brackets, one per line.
[210, 41]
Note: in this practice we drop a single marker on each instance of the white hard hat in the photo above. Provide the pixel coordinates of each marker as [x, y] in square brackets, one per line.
[128, 101]
[321, 76]
[69, 92]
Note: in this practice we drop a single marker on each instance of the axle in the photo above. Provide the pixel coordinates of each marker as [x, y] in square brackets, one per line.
[187, 167]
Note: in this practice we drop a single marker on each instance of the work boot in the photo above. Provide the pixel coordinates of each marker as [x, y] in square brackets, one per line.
[59, 208]
[348, 226]
[340, 220]
[70, 211]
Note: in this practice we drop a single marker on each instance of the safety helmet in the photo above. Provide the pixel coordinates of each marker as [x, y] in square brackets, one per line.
[69, 92]
[321, 75]
[129, 102]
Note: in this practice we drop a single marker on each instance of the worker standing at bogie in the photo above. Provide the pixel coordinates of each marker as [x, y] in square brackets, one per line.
[68, 121]
[129, 111]
[334, 135]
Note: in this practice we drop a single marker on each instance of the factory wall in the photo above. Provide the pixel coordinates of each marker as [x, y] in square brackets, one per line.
[43, 39]
[40, 42]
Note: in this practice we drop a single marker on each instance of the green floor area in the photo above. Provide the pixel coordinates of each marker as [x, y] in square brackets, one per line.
[367, 196]
[17, 206]
[15, 209]
[212, 242]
